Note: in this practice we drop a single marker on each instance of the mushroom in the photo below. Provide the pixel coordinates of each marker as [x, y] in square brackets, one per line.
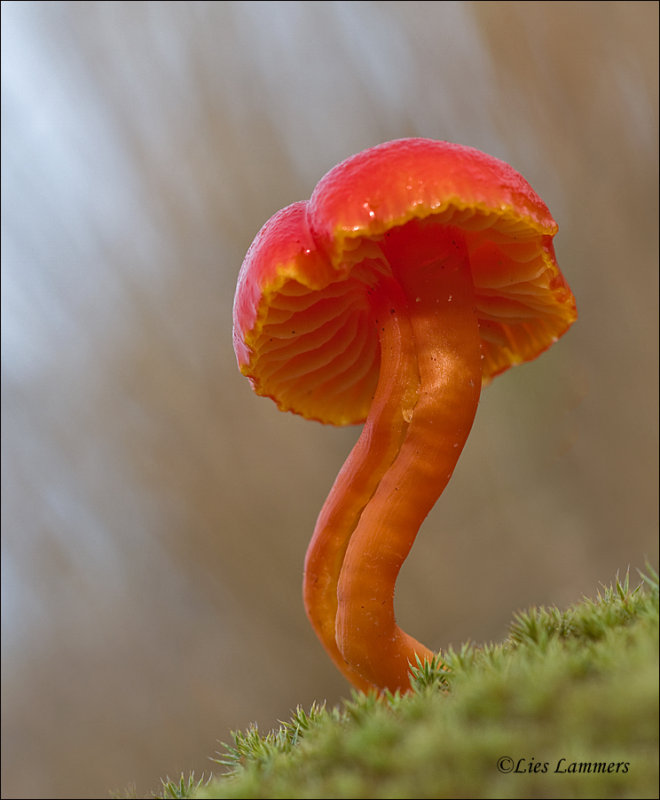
[418, 271]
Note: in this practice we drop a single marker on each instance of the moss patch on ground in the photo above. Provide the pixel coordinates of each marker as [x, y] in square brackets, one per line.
[566, 707]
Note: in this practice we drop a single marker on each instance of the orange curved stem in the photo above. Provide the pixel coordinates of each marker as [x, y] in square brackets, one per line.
[427, 396]
[370, 458]
[448, 356]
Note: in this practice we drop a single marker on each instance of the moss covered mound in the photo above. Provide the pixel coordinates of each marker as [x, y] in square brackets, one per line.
[566, 707]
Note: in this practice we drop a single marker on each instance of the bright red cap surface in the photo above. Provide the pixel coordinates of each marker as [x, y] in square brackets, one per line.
[303, 331]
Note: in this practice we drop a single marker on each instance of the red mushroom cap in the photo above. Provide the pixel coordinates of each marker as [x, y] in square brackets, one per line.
[303, 329]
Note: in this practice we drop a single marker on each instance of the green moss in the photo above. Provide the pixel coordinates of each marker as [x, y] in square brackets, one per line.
[569, 701]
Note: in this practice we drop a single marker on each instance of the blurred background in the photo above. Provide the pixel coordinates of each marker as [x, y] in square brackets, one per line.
[155, 513]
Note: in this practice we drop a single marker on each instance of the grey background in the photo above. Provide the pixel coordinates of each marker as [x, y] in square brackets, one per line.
[155, 513]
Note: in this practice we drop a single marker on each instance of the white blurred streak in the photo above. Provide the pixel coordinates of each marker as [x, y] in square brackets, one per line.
[101, 154]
